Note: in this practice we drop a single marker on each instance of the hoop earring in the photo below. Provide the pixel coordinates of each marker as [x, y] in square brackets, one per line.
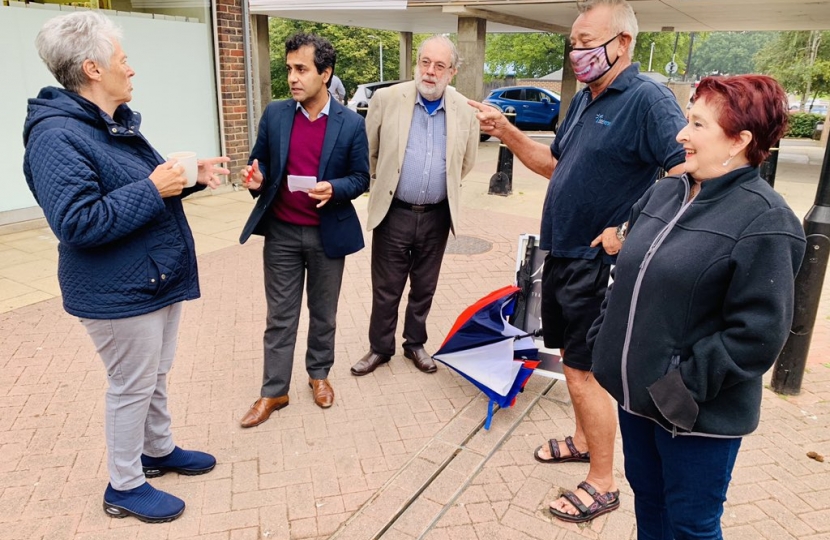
[725, 163]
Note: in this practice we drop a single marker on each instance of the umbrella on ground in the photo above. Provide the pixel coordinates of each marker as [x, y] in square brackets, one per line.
[488, 351]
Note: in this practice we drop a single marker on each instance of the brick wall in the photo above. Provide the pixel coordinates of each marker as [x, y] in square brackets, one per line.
[553, 86]
[232, 75]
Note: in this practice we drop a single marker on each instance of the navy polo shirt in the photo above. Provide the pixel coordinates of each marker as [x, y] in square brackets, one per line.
[609, 151]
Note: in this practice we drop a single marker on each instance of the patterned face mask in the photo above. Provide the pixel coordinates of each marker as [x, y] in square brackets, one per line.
[591, 63]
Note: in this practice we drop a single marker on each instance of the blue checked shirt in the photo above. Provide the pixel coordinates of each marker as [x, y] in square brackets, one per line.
[424, 172]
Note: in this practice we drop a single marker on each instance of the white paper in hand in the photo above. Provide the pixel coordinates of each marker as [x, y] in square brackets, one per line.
[301, 183]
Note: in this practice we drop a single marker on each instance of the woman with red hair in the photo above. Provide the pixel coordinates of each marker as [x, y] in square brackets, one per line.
[700, 307]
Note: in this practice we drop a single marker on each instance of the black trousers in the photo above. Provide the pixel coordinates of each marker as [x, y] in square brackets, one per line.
[292, 253]
[406, 245]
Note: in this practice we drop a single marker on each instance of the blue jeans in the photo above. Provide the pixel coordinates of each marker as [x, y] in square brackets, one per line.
[679, 483]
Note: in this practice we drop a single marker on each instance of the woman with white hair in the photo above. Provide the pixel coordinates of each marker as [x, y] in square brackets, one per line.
[126, 254]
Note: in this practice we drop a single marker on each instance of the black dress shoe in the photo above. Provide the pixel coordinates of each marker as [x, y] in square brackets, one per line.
[421, 358]
[369, 363]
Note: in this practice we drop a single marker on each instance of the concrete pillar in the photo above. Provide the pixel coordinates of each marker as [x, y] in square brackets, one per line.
[261, 63]
[406, 56]
[471, 41]
[568, 83]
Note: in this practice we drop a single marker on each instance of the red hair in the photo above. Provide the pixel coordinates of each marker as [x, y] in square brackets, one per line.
[755, 103]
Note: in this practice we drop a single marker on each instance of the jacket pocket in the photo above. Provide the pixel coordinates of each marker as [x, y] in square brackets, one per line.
[673, 399]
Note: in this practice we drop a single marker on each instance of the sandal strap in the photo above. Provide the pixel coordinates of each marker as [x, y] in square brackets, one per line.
[576, 502]
[589, 489]
[601, 499]
[569, 442]
[554, 449]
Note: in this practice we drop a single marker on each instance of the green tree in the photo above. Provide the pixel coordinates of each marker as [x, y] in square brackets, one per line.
[663, 51]
[527, 55]
[799, 61]
[358, 54]
[729, 52]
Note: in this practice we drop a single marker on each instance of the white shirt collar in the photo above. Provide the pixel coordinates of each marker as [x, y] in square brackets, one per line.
[324, 112]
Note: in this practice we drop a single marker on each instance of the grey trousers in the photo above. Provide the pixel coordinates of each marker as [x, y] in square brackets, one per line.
[405, 245]
[137, 353]
[290, 254]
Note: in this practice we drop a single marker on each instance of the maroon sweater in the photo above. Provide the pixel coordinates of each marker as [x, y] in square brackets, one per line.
[305, 148]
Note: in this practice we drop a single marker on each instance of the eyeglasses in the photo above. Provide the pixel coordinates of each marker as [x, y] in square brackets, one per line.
[439, 67]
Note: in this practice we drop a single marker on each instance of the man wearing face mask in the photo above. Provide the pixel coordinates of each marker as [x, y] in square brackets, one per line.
[423, 139]
[618, 132]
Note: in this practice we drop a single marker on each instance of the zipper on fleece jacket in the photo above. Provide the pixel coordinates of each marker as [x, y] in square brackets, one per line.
[655, 245]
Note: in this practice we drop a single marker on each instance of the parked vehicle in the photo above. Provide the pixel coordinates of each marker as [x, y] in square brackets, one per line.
[363, 93]
[535, 108]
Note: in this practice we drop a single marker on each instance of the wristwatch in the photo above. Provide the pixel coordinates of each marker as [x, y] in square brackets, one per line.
[621, 231]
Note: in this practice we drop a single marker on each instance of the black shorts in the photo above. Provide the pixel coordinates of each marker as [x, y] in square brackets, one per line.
[572, 294]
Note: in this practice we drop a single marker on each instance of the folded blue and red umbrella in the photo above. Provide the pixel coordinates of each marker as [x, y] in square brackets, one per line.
[491, 353]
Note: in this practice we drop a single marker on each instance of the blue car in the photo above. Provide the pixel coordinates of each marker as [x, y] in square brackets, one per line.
[535, 108]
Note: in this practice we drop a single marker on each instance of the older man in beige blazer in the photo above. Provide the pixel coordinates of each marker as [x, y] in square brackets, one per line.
[423, 139]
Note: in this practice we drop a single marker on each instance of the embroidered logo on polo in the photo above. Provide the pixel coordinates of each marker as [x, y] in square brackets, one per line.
[600, 119]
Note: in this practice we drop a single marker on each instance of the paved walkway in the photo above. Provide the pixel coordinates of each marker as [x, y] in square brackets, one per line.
[401, 455]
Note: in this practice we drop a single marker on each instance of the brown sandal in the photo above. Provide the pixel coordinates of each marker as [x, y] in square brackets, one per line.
[557, 457]
[603, 503]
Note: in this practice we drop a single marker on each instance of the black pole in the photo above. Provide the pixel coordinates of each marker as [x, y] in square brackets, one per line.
[501, 183]
[689, 59]
[769, 167]
[788, 372]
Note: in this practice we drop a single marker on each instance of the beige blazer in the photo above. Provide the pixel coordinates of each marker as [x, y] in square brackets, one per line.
[387, 124]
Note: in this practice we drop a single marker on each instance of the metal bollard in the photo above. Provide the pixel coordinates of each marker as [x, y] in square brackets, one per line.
[770, 165]
[501, 183]
[791, 363]
[789, 367]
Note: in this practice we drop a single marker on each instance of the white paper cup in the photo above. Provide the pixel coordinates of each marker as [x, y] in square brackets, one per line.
[187, 160]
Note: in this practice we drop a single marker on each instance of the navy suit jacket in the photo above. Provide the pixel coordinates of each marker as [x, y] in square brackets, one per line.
[344, 162]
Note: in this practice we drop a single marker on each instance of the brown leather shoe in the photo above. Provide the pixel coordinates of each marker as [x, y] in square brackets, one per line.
[262, 409]
[369, 363]
[421, 358]
[323, 392]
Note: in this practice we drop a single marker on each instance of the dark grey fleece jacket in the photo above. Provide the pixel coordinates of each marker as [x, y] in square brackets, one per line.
[701, 303]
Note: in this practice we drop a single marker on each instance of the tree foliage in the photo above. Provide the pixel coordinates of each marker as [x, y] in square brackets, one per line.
[525, 55]
[729, 52]
[358, 53]
[663, 51]
[800, 61]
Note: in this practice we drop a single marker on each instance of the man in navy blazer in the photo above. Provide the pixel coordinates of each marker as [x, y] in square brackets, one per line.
[308, 231]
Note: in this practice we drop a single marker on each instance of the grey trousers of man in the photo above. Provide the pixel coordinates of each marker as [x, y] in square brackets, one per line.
[291, 254]
[137, 353]
[411, 245]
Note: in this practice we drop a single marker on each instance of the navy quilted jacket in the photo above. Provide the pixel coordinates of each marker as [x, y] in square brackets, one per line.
[124, 251]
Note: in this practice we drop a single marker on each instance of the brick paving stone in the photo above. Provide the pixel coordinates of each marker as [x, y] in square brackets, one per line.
[300, 500]
[741, 514]
[445, 487]
[418, 517]
[819, 520]
[304, 528]
[259, 498]
[496, 531]
[251, 533]
[226, 521]
[274, 524]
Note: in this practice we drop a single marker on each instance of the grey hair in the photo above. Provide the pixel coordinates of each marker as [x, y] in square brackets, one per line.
[622, 18]
[454, 59]
[67, 41]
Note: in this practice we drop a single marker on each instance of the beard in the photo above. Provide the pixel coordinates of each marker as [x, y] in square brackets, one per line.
[430, 92]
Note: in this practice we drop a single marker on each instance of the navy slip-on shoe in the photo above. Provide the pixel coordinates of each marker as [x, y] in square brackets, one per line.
[145, 502]
[188, 462]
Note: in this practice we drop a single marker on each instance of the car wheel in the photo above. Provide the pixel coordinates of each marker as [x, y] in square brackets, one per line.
[554, 124]
[483, 137]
